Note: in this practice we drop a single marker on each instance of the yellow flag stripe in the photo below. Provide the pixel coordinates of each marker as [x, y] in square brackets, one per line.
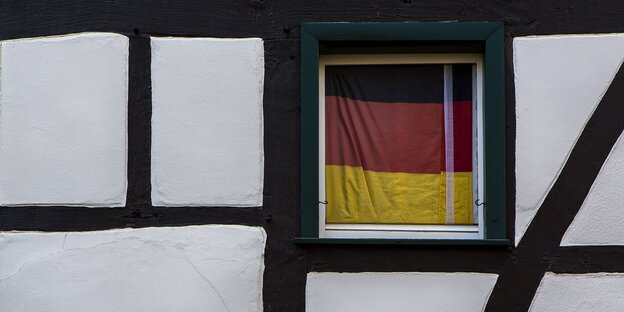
[355, 195]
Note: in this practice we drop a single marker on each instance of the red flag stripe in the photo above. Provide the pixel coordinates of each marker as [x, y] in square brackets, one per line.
[462, 136]
[394, 137]
[384, 137]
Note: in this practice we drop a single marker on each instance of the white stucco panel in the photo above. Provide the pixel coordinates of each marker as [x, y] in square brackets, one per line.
[398, 292]
[196, 268]
[600, 221]
[207, 132]
[559, 80]
[597, 292]
[63, 124]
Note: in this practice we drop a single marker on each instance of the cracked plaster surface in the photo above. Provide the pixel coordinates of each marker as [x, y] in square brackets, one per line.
[196, 268]
[207, 122]
[398, 291]
[63, 126]
[596, 292]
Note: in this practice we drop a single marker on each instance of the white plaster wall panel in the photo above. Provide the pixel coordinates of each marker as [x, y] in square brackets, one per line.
[195, 268]
[601, 217]
[207, 132]
[398, 292]
[596, 292]
[559, 81]
[63, 124]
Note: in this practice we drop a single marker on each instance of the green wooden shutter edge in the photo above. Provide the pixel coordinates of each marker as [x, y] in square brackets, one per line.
[494, 97]
[495, 176]
[309, 135]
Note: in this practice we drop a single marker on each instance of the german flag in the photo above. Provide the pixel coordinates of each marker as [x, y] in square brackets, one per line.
[398, 144]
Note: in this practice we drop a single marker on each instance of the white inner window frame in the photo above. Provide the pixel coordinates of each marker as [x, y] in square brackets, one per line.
[407, 231]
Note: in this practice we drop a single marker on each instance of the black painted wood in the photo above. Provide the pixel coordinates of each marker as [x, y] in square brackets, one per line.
[278, 23]
[60, 218]
[588, 259]
[332, 258]
[271, 19]
[139, 123]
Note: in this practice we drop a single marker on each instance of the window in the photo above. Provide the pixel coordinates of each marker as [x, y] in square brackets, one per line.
[396, 137]
[402, 132]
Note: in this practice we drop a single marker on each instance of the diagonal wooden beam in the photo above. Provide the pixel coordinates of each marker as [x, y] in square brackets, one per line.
[539, 248]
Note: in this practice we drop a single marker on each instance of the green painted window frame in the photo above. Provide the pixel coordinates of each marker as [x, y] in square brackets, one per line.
[491, 34]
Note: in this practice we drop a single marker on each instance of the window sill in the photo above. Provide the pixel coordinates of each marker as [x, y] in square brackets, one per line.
[383, 241]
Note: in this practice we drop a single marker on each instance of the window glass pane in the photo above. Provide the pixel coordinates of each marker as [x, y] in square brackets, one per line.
[397, 139]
